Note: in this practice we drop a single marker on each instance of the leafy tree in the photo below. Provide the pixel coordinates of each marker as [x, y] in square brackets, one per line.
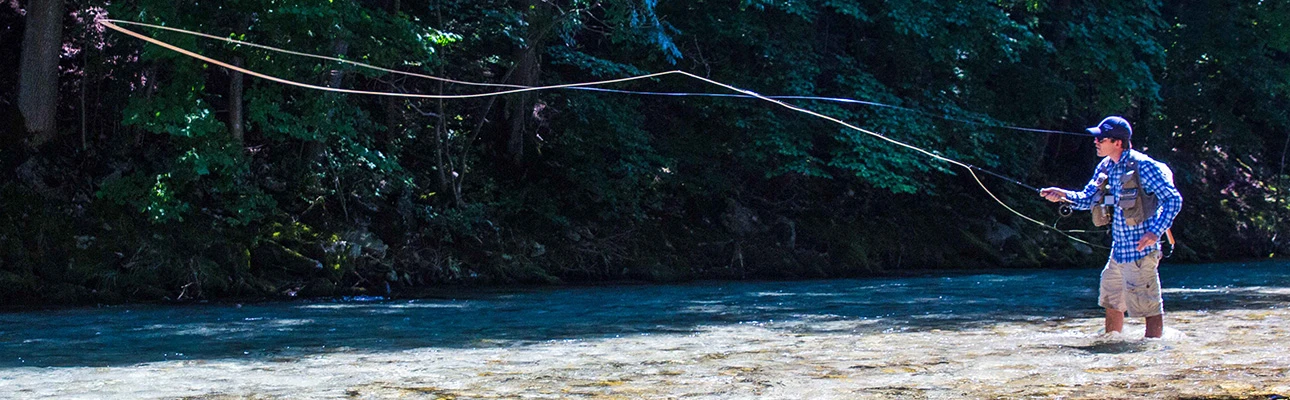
[1225, 128]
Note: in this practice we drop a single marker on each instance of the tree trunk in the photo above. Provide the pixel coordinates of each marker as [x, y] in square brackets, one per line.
[235, 88]
[521, 104]
[393, 105]
[317, 149]
[38, 71]
[527, 70]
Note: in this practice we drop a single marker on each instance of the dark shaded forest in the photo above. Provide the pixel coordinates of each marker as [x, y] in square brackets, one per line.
[129, 172]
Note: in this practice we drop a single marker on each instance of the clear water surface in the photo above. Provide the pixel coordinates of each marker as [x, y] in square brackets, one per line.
[132, 334]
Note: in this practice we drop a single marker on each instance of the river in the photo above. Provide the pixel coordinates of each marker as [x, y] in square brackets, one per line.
[1003, 334]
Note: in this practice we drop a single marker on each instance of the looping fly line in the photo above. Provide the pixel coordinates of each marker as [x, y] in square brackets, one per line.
[587, 88]
[971, 169]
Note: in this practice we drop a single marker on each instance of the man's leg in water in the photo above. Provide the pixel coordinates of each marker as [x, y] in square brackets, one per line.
[1155, 326]
[1114, 320]
[1111, 296]
[1144, 298]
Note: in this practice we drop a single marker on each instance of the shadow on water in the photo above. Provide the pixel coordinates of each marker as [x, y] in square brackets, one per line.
[1113, 347]
[282, 331]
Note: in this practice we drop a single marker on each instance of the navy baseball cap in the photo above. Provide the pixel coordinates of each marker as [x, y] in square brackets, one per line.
[1112, 127]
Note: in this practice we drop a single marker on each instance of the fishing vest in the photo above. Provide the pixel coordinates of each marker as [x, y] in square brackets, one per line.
[1134, 201]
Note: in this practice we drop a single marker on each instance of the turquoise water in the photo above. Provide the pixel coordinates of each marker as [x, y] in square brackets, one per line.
[127, 335]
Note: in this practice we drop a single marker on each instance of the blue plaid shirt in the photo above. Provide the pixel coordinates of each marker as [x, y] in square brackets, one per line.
[1155, 178]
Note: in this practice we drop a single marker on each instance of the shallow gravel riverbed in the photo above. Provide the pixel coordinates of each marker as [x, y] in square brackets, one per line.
[1235, 349]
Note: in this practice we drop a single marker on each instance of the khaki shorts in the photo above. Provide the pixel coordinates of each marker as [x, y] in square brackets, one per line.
[1133, 286]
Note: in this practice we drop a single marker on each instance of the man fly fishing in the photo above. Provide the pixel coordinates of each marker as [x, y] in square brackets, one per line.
[1136, 196]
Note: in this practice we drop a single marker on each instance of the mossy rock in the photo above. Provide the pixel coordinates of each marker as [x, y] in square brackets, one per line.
[318, 287]
[15, 288]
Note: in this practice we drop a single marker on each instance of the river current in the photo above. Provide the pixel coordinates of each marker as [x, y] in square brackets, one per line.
[1008, 334]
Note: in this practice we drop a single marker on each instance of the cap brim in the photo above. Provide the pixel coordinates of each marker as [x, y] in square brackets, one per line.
[1095, 131]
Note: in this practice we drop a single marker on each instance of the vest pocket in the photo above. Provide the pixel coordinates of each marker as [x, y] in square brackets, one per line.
[1133, 212]
[1129, 180]
[1128, 198]
[1101, 216]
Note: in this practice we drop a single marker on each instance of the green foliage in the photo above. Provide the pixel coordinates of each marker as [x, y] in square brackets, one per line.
[608, 157]
[1227, 75]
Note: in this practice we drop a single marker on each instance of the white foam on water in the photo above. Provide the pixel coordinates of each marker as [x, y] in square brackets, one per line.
[1138, 333]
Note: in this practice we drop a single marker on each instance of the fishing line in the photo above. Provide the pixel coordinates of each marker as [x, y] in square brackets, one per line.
[367, 92]
[842, 100]
[970, 168]
[595, 89]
